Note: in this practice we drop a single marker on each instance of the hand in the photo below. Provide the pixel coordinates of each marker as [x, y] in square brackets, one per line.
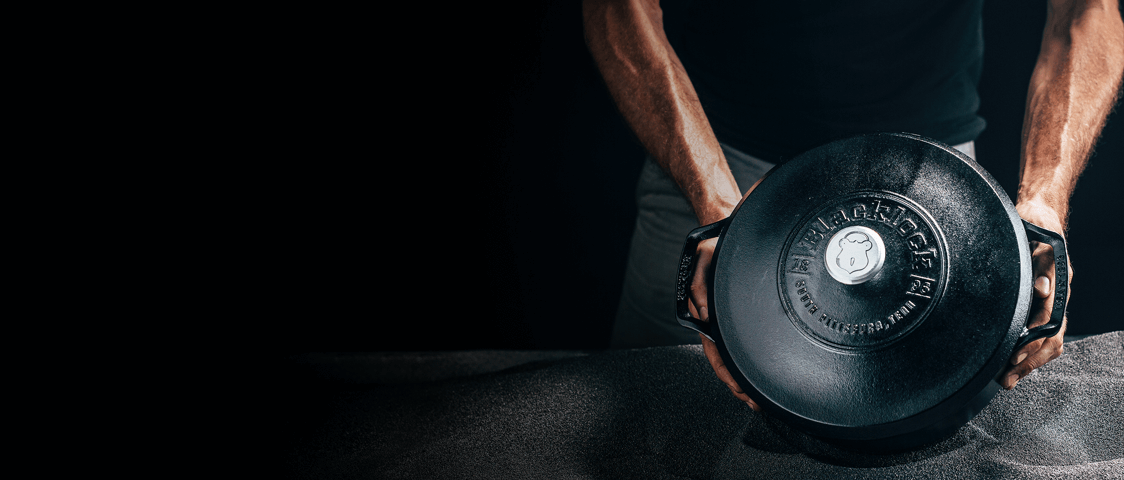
[1039, 352]
[699, 309]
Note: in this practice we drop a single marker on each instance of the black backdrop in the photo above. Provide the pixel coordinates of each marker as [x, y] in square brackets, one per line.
[508, 223]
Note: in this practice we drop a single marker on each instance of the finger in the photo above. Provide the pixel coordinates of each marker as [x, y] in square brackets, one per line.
[699, 282]
[697, 303]
[1037, 353]
[748, 401]
[1050, 348]
[719, 366]
[1042, 287]
[1042, 255]
[1026, 351]
[1040, 311]
[1043, 269]
[1033, 348]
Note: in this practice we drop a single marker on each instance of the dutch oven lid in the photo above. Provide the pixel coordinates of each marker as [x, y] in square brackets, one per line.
[869, 281]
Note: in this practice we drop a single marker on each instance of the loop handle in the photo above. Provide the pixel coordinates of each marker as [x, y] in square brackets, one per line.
[686, 273]
[1061, 284]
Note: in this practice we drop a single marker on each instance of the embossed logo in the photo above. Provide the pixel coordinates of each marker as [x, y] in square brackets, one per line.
[885, 251]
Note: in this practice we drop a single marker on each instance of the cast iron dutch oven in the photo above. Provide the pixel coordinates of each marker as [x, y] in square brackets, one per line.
[869, 292]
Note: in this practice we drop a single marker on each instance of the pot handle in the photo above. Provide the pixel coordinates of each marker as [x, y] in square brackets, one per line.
[1061, 284]
[687, 273]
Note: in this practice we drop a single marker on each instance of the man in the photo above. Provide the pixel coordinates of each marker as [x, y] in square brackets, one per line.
[758, 83]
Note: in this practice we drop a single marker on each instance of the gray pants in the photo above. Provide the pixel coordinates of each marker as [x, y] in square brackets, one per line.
[646, 313]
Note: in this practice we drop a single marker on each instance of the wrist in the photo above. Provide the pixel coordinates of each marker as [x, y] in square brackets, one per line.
[1041, 213]
[716, 209]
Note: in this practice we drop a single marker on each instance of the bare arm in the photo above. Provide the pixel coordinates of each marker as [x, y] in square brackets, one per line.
[652, 91]
[1074, 86]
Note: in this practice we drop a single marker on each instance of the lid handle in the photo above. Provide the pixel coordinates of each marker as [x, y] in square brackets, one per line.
[687, 272]
[1061, 284]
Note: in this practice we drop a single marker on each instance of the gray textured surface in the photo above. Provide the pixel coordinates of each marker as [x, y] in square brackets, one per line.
[660, 413]
[416, 367]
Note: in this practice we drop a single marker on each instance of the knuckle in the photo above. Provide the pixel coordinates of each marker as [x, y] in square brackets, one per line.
[1054, 348]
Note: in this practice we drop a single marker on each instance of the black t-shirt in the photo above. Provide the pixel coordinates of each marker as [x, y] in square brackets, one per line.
[778, 78]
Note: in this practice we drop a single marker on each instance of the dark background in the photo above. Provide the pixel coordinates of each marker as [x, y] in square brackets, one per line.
[510, 226]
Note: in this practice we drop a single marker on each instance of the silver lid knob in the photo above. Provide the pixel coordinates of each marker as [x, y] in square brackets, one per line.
[854, 255]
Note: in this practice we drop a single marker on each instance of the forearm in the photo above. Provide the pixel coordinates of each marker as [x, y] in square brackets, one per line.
[652, 91]
[1072, 90]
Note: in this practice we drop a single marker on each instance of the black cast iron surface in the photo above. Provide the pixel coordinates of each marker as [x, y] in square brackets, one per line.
[833, 359]
[861, 317]
[659, 413]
